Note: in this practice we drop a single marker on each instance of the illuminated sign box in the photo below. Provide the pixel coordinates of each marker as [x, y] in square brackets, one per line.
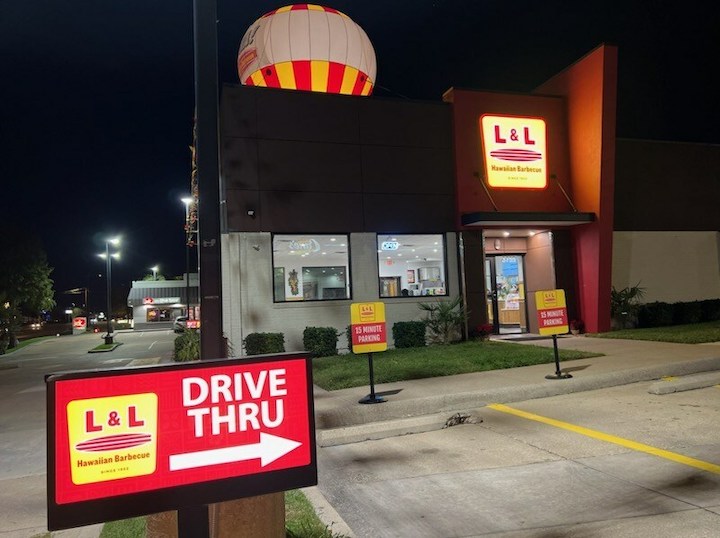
[130, 442]
[515, 151]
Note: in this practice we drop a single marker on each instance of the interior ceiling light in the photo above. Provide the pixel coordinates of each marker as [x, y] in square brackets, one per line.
[506, 234]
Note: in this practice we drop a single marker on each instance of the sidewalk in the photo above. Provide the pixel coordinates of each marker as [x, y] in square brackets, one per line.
[426, 404]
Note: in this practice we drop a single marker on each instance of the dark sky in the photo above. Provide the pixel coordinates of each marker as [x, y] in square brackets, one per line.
[96, 98]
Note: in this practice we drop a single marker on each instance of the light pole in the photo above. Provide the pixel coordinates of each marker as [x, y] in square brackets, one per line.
[188, 241]
[108, 269]
[155, 270]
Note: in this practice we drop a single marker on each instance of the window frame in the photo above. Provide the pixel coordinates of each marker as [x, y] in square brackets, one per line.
[443, 264]
[302, 300]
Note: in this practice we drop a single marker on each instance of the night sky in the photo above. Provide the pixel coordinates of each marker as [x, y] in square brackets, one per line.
[96, 99]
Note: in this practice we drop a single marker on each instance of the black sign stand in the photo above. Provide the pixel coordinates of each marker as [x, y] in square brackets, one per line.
[371, 398]
[558, 373]
[193, 522]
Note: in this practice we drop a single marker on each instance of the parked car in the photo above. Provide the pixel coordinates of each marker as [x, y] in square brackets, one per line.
[180, 324]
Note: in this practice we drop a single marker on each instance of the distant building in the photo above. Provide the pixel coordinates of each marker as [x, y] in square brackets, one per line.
[156, 303]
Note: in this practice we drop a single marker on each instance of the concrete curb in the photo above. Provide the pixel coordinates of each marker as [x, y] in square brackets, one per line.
[680, 384]
[350, 424]
[326, 513]
[381, 430]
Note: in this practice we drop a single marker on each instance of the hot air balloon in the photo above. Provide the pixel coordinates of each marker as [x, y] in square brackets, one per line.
[307, 47]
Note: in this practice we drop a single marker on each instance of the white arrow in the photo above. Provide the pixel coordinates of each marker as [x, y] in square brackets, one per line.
[270, 448]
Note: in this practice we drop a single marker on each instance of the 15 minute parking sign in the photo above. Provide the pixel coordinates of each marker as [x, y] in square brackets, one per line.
[130, 442]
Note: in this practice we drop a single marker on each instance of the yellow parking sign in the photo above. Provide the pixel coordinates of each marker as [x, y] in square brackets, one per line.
[368, 327]
[551, 312]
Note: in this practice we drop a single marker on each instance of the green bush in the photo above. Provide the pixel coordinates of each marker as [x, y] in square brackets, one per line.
[685, 313]
[409, 334]
[656, 314]
[624, 305]
[3, 345]
[445, 320]
[320, 341]
[710, 309]
[264, 343]
[187, 347]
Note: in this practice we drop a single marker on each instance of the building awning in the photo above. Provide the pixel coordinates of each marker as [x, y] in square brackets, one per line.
[525, 218]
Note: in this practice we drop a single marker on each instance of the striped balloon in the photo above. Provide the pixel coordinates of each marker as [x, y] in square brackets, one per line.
[307, 47]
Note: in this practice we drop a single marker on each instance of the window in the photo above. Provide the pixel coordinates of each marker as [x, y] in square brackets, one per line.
[411, 265]
[310, 267]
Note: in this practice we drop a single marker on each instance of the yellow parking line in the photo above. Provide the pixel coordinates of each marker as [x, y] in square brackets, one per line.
[659, 452]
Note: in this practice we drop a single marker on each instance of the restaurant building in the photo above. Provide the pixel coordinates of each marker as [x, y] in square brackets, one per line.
[489, 196]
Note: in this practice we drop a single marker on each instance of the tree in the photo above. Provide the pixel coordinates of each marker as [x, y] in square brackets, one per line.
[25, 284]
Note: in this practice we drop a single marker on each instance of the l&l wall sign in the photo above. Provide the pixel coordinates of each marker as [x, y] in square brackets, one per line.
[515, 151]
[129, 442]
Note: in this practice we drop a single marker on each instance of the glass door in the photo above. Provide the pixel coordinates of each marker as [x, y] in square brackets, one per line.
[505, 291]
[491, 294]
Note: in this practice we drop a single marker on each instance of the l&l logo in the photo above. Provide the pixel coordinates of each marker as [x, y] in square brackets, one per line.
[112, 438]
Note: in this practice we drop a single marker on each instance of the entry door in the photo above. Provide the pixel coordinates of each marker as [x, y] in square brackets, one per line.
[505, 293]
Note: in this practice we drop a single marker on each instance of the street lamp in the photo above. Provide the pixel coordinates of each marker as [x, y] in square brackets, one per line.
[108, 269]
[188, 241]
[155, 270]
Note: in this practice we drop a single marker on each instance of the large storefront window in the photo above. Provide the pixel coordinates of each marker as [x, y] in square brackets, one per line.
[411, 265]
[310, 267]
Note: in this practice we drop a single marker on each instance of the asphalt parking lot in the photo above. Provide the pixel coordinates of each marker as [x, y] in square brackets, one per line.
[611, 462]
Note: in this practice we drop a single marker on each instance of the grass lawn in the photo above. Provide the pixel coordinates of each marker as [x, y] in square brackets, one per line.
[695, 333]
[345, 371]
[300, 522]
[24, 343]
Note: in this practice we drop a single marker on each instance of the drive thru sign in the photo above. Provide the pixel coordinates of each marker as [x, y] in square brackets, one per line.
[136, 441]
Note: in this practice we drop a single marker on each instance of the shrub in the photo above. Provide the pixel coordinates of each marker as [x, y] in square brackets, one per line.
[409, 334]
[187, 347]
[481, 332]
[348, 335]
[655, 314]
[445, 320]
[320, 341]
[684, 313]
[624, 304]
[3, 345]
[710, 309]
[264, 343]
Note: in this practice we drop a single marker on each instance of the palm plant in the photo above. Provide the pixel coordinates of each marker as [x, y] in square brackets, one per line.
[624, 305]
[445, 320]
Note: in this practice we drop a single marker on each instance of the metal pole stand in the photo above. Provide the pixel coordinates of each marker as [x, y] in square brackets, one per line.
[193, 522]
[558, 373]
[371, 398]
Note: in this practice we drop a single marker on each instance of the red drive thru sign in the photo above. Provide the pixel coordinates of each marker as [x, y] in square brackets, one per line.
[123, 443]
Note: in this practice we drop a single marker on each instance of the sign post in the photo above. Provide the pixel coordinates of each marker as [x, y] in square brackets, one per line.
[552, 320]
[369, 334]
[124, 443]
